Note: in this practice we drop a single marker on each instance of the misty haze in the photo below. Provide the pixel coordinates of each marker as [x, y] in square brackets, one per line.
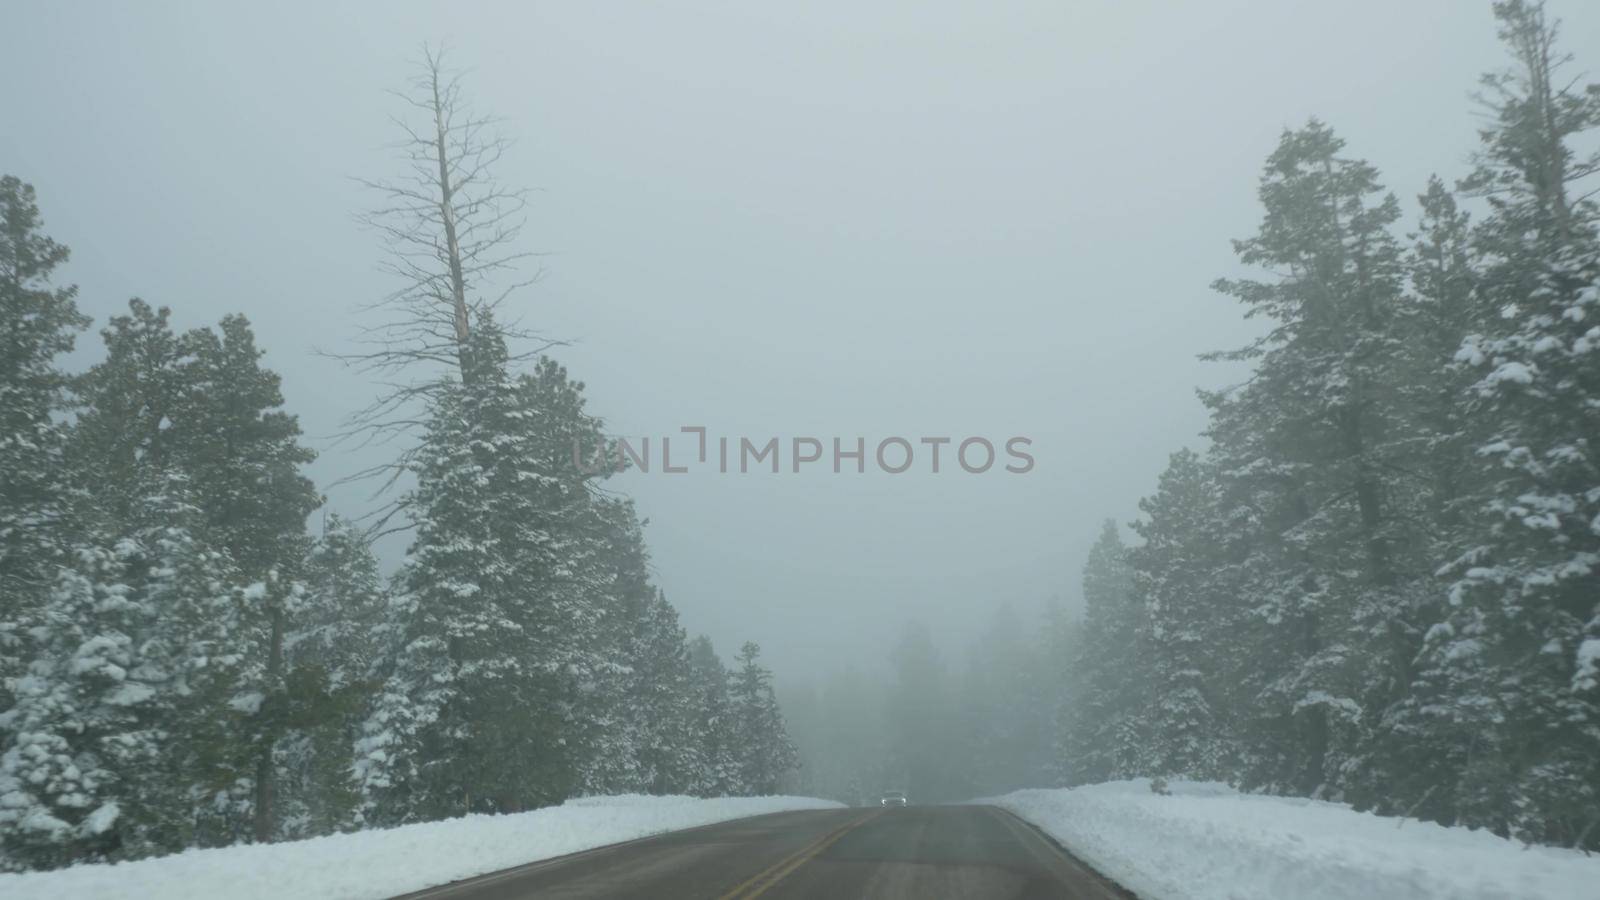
[723, 450]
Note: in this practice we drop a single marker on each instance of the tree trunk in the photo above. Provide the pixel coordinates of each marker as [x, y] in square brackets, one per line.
[447, 214]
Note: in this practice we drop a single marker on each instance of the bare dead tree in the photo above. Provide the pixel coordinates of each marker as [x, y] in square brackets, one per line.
[450, 232]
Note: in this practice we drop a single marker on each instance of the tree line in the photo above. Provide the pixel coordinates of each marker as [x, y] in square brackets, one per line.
[1380, 581]
[184, 664]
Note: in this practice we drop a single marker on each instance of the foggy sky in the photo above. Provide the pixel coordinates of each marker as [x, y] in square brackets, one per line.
[837, 219]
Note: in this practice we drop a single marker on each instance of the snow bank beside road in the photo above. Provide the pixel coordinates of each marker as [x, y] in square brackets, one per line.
[1209, 842]
[382, 863]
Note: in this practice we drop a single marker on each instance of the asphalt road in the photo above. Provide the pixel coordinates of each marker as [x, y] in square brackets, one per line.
[915, 853]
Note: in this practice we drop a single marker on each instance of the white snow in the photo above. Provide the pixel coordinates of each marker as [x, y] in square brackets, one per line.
[1208, 842]
[101, 819]
[375, 864]
[1471, 351]
[130, 693]
[1588, 668]
[248, 703]
[1516, 372]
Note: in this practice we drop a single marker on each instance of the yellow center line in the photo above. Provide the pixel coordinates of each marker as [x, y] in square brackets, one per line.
[771, 875]
[739, 889]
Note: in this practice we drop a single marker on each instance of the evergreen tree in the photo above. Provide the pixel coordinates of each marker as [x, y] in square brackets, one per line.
[661, 695]
[132, 440]
[514, 599]
[337, 643]
[37, 324]
[200, 404]
[243, 456]
[119, 746]
[132, 401]
[715, 724]
[764, 751]
[460, 678]
[342, 607]
[1517, 651]
[1107, 734]
[1416, 750]
[242, 451]
[1063, 639]
[613, 732]
[1311, 443]
[1174, 573]
[1446, 305]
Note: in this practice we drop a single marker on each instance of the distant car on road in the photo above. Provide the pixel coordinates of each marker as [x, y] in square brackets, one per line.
[893, 798]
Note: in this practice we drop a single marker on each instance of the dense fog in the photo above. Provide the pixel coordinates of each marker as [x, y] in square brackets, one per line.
[524, 402]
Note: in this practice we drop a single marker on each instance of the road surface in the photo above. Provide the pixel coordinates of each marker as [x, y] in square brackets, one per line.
[912, 853]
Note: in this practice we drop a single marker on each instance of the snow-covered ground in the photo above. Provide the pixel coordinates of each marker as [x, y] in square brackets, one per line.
[1207, 841]
[382, 863]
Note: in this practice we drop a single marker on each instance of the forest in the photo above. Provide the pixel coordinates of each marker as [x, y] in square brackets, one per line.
[1374, 580]
[1377, 580]
[185, 663]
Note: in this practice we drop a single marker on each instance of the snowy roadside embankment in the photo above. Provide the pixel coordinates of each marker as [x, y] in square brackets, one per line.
[1205, 841]
[382, 863]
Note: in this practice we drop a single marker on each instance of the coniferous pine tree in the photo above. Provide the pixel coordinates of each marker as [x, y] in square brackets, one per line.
[1174, 575]
[765, 752]
[1105, 736]
[720, 774]
[117, 732]
[1311, 440]
[37, 324]
[339, 611]
[1519, 648]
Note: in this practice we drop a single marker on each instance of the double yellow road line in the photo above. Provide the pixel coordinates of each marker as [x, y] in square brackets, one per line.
[766, 878]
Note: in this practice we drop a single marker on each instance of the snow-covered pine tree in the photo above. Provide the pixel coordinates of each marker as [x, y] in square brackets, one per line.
[130, 440]
[514, 598]
[131, 400]
[118, 745]
[587, 580]
[1418, 750]
[661, 695]
[1062, 636]
[1190, 615]
[453, 728]
[338, 613]
[201, 405]
[243, 456]
[719, 774]
[37, 324]
[1311, 442]
[242, 451]
[1519, 649]
[765, 752]
[1105, 733]
[342, 607]
[1445, 306]
[610, 728]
